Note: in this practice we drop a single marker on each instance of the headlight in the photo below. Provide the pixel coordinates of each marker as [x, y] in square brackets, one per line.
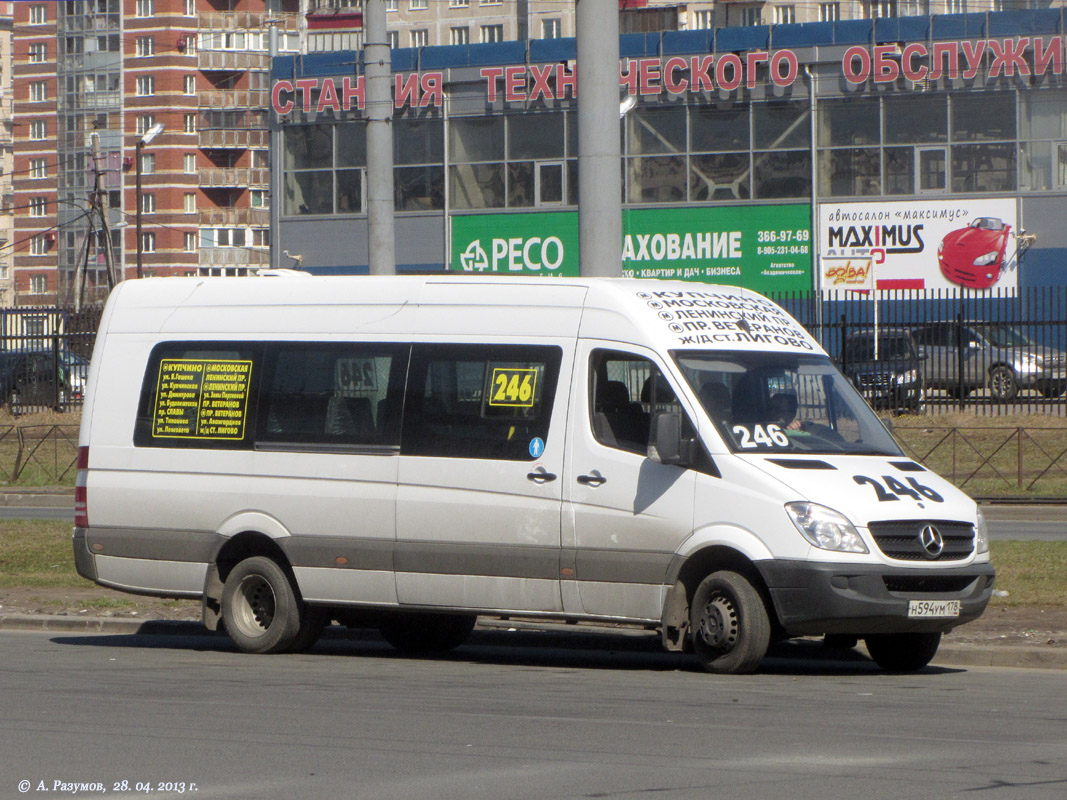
[988, 258]
[981, 535]
[1027, 363]
[825, 528]
[910, 376]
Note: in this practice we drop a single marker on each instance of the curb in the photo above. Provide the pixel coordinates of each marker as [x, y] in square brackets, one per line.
[42, 498]
[948, 655]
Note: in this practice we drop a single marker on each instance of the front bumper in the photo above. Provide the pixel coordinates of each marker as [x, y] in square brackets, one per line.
[815, 598]
[907, 396]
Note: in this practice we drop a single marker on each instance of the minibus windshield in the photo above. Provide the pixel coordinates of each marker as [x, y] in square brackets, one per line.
[783, 402]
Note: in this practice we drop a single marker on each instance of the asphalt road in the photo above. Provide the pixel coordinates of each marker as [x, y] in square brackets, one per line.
[355, 720]
[1025, 523]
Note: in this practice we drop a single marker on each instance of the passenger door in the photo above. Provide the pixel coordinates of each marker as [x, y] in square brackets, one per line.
[479, 491]
[625, 514]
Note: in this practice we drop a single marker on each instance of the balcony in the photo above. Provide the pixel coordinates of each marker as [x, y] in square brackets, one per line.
[233, 257]
[246, 20]
[221, 139]
[233, 177]
[222, 99]
[230, 60]
[95, 101]
[234, 217]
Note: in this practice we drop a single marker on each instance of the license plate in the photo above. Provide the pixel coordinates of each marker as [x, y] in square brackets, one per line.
[933, 608]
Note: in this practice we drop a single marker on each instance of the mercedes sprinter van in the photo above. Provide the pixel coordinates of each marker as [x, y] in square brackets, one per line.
[411, 452]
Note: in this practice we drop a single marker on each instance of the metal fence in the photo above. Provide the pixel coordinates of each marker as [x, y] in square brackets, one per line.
[44, 358]
[1024, 461]
[38, 455]
[997, 353]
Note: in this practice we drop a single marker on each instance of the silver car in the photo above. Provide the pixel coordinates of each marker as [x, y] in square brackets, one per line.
[991, 354]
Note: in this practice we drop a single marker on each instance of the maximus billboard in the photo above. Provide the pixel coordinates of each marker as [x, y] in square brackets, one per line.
[955, 246]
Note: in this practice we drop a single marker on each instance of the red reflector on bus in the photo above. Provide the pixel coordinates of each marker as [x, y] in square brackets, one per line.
[81, 492]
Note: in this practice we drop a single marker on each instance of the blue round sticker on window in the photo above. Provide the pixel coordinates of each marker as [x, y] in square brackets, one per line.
[537, 446]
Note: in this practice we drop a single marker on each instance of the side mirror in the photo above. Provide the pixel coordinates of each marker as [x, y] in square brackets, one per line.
[665, 444]
[921, 353]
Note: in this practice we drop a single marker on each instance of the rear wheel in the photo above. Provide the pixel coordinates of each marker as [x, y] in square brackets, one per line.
[902, 652]
[427, 633]
[260, 606]
[730, 626]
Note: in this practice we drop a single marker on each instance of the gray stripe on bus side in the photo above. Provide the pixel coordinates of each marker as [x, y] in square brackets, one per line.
[324, 551]
[443, 558]
[153, 543]
[622, 566]
[502, 561]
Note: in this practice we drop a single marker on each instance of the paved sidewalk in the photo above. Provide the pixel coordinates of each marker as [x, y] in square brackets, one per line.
[948, 655]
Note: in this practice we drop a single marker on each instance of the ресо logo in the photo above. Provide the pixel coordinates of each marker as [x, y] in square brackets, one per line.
[518, 254]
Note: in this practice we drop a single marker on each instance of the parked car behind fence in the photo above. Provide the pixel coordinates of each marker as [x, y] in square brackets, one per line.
[889, 376]
[965, 358]
[33, 379]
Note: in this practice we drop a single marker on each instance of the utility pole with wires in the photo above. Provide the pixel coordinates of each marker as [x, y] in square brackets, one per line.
[99, 230]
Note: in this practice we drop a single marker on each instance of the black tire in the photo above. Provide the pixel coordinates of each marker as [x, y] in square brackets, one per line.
[261, 608]
[731, 629]
[1052, 391]
[1002, 384]
[427, 633]
[312, 622]
[902, 652]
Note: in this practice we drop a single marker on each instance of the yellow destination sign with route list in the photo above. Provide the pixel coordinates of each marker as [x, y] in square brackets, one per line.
[201, 399]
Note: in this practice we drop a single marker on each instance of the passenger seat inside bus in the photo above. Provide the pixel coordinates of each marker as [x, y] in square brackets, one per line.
[618, 422]
[351, 418]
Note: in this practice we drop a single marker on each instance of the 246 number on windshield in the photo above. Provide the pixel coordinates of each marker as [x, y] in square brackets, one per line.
[760, 436]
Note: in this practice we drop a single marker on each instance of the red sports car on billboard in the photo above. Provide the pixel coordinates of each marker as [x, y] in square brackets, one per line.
[973, 256]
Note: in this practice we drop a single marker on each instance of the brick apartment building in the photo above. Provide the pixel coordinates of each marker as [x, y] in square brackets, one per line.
[90, 79]
[6, 211]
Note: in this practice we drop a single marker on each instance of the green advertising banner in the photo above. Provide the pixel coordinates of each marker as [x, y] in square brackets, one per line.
[765, 248]
[541, 243]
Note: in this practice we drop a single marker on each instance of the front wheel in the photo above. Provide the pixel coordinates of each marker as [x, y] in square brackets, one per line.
[730, 626]
[1002, 384]
[902, 652]
[261, 608]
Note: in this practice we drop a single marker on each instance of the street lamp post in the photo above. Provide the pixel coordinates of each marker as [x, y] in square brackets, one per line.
[148, 136]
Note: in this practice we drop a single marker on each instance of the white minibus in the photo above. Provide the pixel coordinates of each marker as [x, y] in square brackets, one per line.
[409, 453]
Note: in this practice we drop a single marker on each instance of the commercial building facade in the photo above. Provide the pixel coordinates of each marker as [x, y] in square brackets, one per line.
[789, 157]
